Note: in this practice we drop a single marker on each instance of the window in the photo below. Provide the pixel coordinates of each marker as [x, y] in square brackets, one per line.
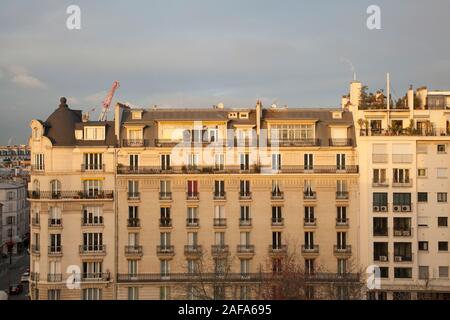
[133, 293]
[165, 217]
[276, 161]
[401, 295]
[39, 162]
[192, 160]
[292, 132]
[380, 199]
[402, 199]
[55, 243]
[133, 189]
[219, 188]
[379, 175]
[443, 272]
[422, 196]
[219, 239]
[135, 137]
[277, 215]
[384, 272]
[244, 188]
[92, 188]
[133, 267]
[380, 251]
[442, 222]
[402, 273]
[443, 246]
[380, 227]
[54, 216]
[441, 173]
[92, 294]
[244, 161]
[10, 195]
[341, 240]
[276, 189]
[309, 266]
[245, 239]
[192, 215]
[309, 240]
[400, 175]
[219, 161]
[245, 213]
[423, 245]
[192, 239]
[165, 162]
[93, 215]
[164, 240]
[308, 161]
[134, 162]
[164, 293]
[276, 240]
[340, 161]
[442, 197]
[192, 186]
[54, 294]
[92, 241]
[441, 148]
[93, 161]
[92, 270]
[94, 133]
[136, 115]
[341, 215]
[309, 215]
[245, 266]
[422, 173]
[342, 266]
[424, 273]
[192, 266]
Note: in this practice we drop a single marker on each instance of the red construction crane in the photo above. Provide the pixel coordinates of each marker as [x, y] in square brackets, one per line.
[106, 103]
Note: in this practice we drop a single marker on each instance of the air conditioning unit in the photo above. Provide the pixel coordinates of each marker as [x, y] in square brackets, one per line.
[398, 259]
[406, 208]
[398, 233]
[383, 208]
[376, 208]
[397, 208]
[383, 258]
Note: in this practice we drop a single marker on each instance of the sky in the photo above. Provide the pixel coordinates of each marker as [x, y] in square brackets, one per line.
[199, 53]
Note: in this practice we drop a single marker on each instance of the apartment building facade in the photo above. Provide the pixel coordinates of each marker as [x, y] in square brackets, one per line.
[15, 216]
[403, 154]
[167, 203]
[169, 192]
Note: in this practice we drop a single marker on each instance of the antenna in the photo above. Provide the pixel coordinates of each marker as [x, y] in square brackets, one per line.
[354, 76]
[388, 90]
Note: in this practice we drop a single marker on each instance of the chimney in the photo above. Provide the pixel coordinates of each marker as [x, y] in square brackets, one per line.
[258, 117]
[355, 93]
[220, 106]
[422, 94]
[344, 101]
[411, 98]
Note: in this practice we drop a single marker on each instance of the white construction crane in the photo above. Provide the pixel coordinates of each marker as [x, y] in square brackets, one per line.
[106, 103]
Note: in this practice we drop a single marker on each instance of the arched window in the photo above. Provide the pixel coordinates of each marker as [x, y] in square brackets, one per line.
[36, 185]
[35, 133]
[56, 188]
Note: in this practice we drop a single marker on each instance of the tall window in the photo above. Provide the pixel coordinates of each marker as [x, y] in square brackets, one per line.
[309, 240]
[92, 188]
[341, 214]
[309, 215]
[276, 189]
[244, 161]
[94, 133]
[133, 188]
[341, 240]
[219, 188]
[39, 162]
[134, 161]
[292, 132]
[245, 213]
[92, 269]
[55, 186]
[92, 241]
[192, 186]
[219, 161]
[277, 216]
[165, 268]
[92, 294]
[165, 216]
[340, 161]
[165, 162]
[400, 175]
[55, 243]
[165, 189]
[133, 293]
[308, 161]
[276, 161]
[244, 187]
[165, 240]
[133, 268]
[192, 215]
[276, 240]
[379, 175]
[93, 161]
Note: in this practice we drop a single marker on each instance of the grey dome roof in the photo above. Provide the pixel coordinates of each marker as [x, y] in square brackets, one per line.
[60, 125]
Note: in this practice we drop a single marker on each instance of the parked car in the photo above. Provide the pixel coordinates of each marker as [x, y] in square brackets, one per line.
[25, 277]
[15, 289]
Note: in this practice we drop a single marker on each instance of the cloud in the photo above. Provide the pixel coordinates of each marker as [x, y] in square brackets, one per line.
[20, 76]
[96, 98]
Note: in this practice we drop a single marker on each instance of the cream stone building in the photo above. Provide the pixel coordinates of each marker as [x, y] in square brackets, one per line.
[160, 202]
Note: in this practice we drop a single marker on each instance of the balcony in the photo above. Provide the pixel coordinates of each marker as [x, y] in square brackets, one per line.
[245, 195]
[35, 249]
[245, 222]
[277, 222]
[134, 195]
[71, 195]
[320, 169]
[309, 222]
[34, 276]
[341, 195]
[407, 183]
[380, 158]
[245, 249]
[340, 142]
[192, 196]
[134, 223]
[96, 167]
[93, 250]
[165, 222]
[55, 250]
[55, 223]
[342, 223]
[277, 249]
[277, 195]
[165, 250]
[193, 222]
[219, 249]
[95, 277]
[344, 250]
[92, 221]
[133, 251]
[309, 195]
[380, 183]
[165, 196]
[220, 195]
[135, 143]
[54, 277]
[294, 142]
[193, 250]
[310, 249]
[403, 232]
[220, 222]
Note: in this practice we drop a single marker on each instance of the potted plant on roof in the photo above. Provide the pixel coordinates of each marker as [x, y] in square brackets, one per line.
[361, 124]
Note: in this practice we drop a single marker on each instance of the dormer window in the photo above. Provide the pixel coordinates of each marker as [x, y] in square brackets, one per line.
[232, 115]
[243, 115]
[94, 133]
[136, 115]
[337, 115]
